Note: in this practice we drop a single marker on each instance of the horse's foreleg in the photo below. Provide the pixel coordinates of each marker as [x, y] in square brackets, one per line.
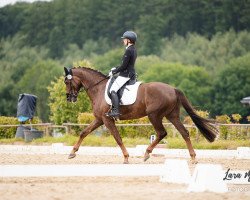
[110, 124]
[161, 133]
[95, 124]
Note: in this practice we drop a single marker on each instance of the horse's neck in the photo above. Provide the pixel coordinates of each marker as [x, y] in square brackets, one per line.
[92, 83]
[96, 91]
[86, 79]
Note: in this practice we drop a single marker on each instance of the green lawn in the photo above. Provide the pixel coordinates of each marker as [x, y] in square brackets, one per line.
[93, 140]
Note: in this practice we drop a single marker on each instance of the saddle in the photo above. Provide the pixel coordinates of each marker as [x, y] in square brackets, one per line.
[126, 94]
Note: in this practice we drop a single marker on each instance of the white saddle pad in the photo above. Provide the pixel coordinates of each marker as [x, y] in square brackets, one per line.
[128, 96]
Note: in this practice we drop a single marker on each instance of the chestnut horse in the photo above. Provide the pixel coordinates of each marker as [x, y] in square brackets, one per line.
[155, 100]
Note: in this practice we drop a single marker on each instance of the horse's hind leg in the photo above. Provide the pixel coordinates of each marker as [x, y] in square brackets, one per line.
[160, 130]
[94, 125]
[185, 134]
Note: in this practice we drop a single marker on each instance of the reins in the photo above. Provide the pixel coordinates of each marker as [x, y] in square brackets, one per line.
[91, 86]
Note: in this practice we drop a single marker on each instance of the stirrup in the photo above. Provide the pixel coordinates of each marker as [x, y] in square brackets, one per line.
[113, 115]
[110, 114]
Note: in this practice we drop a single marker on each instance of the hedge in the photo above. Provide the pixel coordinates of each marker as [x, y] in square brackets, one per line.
[125, 131]
[10, 132]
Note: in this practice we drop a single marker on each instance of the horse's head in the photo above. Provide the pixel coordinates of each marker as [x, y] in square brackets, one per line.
[73, 85]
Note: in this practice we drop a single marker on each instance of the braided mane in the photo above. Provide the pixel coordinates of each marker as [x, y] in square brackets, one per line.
[92, 71]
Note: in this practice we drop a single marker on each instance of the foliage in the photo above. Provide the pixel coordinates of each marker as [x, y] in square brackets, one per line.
[236, 117]
[58, 23]
[82, 63]
[224, 119]
[9, 132]
[14, 63]
[61, 110]
[231, 132]
[192, 80]
[20, 64]
[108, 60]
[212, 53]
[135, 131]
[202, 47]
[224, 130]
[35, 81]
[231, 85]
[85, 118]
[132, 130]
[171, 142]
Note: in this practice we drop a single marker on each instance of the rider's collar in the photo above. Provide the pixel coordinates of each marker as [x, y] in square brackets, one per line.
[129, 45]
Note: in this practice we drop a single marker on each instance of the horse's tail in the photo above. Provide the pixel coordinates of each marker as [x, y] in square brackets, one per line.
[205, 126]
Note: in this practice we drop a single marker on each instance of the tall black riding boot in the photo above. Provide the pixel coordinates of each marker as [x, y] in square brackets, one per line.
[115, 105]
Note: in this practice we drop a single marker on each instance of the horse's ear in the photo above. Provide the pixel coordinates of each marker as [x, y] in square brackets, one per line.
[66, 71]
[70, 71]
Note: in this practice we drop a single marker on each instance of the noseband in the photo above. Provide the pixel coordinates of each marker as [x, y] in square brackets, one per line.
[71, 94]
[74, 95]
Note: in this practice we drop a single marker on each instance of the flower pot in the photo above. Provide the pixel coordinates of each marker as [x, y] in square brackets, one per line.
[29, 135]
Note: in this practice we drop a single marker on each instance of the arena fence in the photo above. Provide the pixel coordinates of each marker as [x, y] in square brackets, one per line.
[227, 131]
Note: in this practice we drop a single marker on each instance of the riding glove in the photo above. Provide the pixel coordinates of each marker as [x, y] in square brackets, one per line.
[112, 71]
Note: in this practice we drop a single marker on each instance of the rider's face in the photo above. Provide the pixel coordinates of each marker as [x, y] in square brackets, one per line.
[125, 41]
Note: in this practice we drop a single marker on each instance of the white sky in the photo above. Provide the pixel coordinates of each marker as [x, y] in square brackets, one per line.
[6, 2]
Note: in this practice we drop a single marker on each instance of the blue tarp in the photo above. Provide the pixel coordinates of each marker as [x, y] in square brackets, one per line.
[26, 107]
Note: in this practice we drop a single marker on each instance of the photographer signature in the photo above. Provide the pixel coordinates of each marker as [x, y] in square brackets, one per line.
[229, 175]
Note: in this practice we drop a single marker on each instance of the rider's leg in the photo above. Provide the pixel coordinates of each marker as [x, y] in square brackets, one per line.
[118, 83]
[115, 105]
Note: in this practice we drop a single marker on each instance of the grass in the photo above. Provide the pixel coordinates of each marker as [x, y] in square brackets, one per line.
[93, 140]
[178, 143]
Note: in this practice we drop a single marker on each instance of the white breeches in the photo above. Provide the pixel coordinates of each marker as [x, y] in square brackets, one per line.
[118, 83]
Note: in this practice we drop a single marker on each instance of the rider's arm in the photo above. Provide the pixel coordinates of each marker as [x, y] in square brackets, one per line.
[125, 62]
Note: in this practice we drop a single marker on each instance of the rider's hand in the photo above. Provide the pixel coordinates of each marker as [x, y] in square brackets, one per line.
[112, 71]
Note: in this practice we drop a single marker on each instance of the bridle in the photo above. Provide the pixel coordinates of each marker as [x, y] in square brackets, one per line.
[73, 94]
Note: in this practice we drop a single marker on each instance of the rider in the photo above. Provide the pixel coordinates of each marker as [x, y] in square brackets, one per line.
[126, 70]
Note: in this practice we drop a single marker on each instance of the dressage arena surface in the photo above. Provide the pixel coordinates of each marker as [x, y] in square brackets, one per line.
[108, 187]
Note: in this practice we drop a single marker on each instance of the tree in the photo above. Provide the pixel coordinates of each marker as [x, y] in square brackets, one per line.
[36, 80]
[62, 111]
[38, 24]
[212, 54]
[12, 19]
[14, 63]
[108, 60]
[194, 81]
[231, 85]
[56, 43]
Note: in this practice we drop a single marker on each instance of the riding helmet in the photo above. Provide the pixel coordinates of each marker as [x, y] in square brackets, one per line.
[131, 35]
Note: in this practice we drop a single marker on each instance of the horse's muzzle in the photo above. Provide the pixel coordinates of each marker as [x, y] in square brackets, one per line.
[71, 97]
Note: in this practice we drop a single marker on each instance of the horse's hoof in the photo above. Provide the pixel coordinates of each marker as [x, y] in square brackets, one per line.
[72, 155]
[125, 162]
[194, 161]
[146, 157]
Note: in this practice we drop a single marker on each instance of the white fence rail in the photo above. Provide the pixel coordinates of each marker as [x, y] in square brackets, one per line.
[238, 129]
